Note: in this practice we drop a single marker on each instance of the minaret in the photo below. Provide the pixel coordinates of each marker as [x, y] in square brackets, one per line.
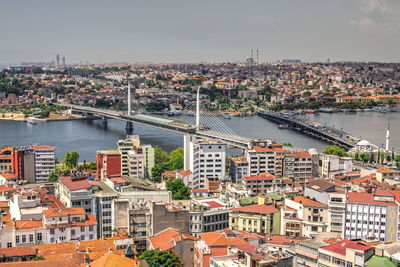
[129, 99]
[387, 138]
[198, 109]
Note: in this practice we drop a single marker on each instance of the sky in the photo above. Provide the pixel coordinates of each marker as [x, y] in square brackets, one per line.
[103, 31]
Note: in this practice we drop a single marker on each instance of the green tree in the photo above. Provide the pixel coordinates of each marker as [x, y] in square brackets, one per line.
[335, 150]
[179, 190]
[38, 258]
[175, 159]
[71, 159]
[158, 169]
[156, 258]
[357, 156]
[53, 177]
[287, 144]
[159, 155]
[365, 157]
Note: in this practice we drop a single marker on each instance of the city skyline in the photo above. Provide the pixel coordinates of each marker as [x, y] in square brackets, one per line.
[226, 31]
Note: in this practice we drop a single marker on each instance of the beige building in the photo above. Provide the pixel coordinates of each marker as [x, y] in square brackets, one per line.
[255, 218]
[313, 216]
[344, 253]
[130, 143]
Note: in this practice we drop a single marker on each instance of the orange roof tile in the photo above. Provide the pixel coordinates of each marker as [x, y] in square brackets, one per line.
[259, 209]
[308, 202]
[63, 212]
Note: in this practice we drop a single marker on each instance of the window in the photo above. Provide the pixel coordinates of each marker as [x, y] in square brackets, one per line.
[91, 237]
[9, 244]
[82, 237]
[17, 239]
[52, 231]
[72, 231]
[23, 238]
[82, 228]
[90, 228]
[30, 238]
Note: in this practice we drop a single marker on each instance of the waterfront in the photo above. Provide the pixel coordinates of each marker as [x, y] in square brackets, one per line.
[89, 136]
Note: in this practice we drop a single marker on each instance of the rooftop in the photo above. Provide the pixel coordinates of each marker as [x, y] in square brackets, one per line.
[341, 246]
[259, 209]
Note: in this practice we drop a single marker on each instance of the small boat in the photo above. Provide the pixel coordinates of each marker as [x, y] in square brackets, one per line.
[226, 116]
[325, 110]
[31, 120]
[283, 126]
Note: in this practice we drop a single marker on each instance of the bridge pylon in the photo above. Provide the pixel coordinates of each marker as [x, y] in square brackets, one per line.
[129, 126]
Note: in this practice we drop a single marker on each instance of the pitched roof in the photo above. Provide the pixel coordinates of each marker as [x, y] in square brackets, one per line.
[366, 198]
[214, 204]
[305, 201]
[17, 251]
[267, 176]
[113, 260]
[259, 209]
[385, 170]
[320, 185]
[43, 147]
[168, 238]
[221, 239]
[76, 185]
[63, 212]
[42, 263]
[341, 246]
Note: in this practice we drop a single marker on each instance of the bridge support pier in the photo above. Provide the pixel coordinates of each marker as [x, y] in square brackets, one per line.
[104, 120]
[129, 126]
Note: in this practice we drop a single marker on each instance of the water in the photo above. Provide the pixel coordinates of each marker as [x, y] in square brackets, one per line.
[89, 136]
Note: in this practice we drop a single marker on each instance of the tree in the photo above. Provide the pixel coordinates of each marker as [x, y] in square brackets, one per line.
[156, 258]
[365, 157]
[357, 156]
[71, 159]
[159, 155]
[335, 150]
[179, 190]
[38, 258]
[53, 177]
[175, 159]
[157, 170]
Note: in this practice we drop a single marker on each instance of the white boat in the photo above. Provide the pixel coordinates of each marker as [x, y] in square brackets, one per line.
[31, 120]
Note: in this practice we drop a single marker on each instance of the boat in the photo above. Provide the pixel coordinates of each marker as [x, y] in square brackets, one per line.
[325, 110]
[31, 120]
[309, 111]
[283, 126]
[226, 116]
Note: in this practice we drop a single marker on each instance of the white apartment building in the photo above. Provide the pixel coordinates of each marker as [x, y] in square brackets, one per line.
[130, 143]
[44, 162]
[136, 163]
[260, 160]
[332, 163]
[148, 152]
[372, 216]
[205, 159]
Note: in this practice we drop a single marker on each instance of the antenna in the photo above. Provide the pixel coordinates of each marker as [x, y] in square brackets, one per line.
[257, 56]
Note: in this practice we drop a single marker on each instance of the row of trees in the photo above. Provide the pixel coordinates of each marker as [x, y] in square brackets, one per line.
[319, 104]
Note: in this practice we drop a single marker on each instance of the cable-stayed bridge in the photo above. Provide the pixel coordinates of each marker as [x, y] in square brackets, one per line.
[206, 124]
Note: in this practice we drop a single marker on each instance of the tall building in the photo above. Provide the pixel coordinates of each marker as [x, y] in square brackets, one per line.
[205, 159]
[136, 163]
[58, 59]
[44, 162]
[6, 159]
[24, 164]
[108, 163]
[148, 152]
[129, 143]
[372, 216]
[63, 61]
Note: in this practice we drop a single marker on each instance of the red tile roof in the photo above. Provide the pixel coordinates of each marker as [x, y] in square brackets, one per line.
[43, 147]
[168, 238]
[63, 212]
[76, 185]
[17, 251]
[214, 204]
[267, 176]
[308, 202]
[341, 246]
[259, 209]
[366, 198]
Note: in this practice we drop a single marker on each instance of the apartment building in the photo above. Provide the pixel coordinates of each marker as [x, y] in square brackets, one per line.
[298, 166]
[238, 169]
[136, 164]
[372, 215]
[6, 159]
[310, 214]
[307, 252]
[148, 153]
[331, 164]
[44, 162]
[260, 160]
[108, 163]
[205, 159]
[129, 143]
[344, 253]
[24, 164]
[208, 215]
[256, 218]
[328, 192]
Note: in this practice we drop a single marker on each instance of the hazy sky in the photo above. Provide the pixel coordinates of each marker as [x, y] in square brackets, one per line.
[199, 30]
